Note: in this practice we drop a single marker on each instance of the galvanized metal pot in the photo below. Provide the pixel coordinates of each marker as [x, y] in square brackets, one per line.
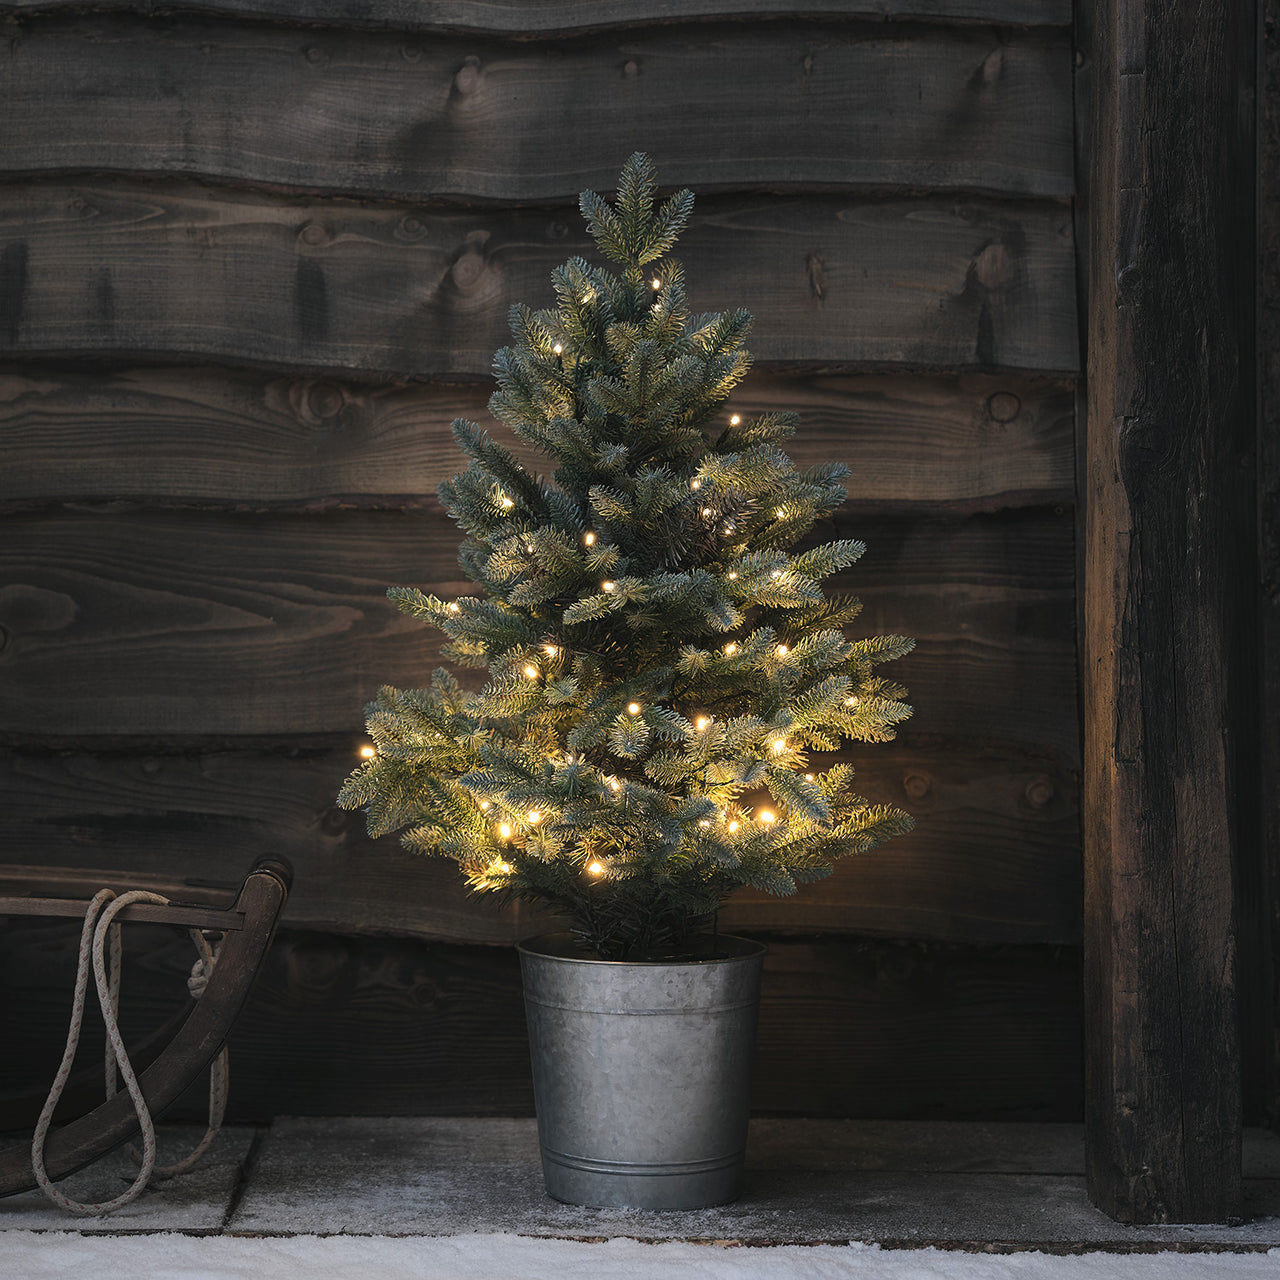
[642, 1072]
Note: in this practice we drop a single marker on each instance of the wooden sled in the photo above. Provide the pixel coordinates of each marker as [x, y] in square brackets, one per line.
[249, 925]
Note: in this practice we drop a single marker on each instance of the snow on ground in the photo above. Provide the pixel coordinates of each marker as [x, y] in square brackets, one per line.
[32, 1255]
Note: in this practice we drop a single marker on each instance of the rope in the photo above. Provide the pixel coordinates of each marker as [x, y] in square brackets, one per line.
[100, 943]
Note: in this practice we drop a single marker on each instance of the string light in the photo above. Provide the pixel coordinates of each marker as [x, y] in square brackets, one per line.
[695, 484]
[779, 746]
[534, 816]
[733, 826]
[706, 511]
[505, 831]
[484, 804]
[782, 651]
[528, 546]
[730, 650]
[507, 504]
[702, 723]
[531, 672]
[557, 348]
[851, 702]
[781, 512]
[733, 577]
[453, 606]
[704, 823]
[735, 419]
[767, 817]
[607, 586]
[808, 777]
[615, 785]
[550, 650]
[589, 539]
[776, 574]
[633, 708]
[657, 284]
[368, 752]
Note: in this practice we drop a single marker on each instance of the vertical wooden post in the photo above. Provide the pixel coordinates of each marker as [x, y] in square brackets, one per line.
[1168, 655]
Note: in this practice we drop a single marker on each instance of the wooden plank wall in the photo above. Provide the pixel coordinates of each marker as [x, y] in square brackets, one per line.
[253, 261]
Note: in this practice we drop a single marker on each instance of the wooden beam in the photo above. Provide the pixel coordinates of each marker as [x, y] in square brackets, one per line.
[563, 17]
[176, 270]
[364, 113]
[1169, 682]
[236, 439]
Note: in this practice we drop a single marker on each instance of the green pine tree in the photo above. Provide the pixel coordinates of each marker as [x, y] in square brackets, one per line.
[662, 660]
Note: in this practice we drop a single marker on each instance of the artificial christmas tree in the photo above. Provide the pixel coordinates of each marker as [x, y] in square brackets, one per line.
[662, 661]
[662, 664]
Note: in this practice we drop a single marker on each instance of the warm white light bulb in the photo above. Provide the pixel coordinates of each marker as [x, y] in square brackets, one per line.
[733, 577]
[733, 826]
[706, 511]
[767, 817]
[531, 672]
[505, 831]
[657, 284]
[453, 607]
[776, 574]
[596, 869]
[701, 723]
[503, 868]
[695, 484]
[550, 650]
[589, 539]
[808, 777]
[851, 702]
[779, 746]
[781, 512]
[733, 421]
[704, 823]
[633, 708]
[534, 816]
[607, 586]
[615, 785]
[368, 752]
[782, 651]
[730, 650]
[484, 804]
[507, 504]
[557, 348]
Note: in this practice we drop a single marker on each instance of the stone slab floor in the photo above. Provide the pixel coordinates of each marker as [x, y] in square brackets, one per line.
[986, 1187]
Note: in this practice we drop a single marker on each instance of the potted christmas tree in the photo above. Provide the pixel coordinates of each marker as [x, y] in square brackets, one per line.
[663, 665]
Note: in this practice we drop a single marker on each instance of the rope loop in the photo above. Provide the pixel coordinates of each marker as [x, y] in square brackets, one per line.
[100, 946]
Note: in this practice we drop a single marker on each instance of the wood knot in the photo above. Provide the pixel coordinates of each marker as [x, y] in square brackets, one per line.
[993, 267]
[630, 69]
[411, 228]
[411, 52]
[151, 766]
[335, 821]
[808, 63]
[1039, 792]
[313, 233]
[314, 401]
[556, 230]
[1003, 406]
[82, 208]
[917, 785]
[467, 271]
[315, 55]
[468, 77]
[992, 65]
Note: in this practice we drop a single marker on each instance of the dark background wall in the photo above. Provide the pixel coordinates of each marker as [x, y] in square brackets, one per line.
[253, 261]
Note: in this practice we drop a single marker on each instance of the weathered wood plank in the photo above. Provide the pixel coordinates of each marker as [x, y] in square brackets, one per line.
[187, 625]
[358, 1026]
[175, 270]
[560, 17]
[994, 857]
[243, 439]
[1168, 665]
[364, 113]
